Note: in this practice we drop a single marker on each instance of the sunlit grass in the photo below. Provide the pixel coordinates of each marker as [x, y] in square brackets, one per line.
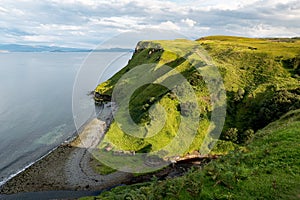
[267, 168]
[250, 68]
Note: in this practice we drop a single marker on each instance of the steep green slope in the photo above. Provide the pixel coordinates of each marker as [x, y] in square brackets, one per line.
[267, 168]
[261, 78]
[178, 59]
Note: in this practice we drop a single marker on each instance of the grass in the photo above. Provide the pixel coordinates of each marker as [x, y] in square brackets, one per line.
[101, 168]
[261, 78]
[267, 168]
[152, 127]
[256, 72]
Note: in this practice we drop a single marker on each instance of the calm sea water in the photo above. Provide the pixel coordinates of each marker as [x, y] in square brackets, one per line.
[36, 101]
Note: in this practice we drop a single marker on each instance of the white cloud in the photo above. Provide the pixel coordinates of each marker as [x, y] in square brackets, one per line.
[167, 25]
[261, 30]
[40, 38]
[17, 12]
[72, 2]
[78, 33]
[3, 10]
[118, 22]
[58, 27]
[264, 30]
[88, 22]
[189, 22]
[204, 5]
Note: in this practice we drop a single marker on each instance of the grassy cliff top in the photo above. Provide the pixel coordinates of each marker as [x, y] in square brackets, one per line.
[283, 47]
[260, 76]
[279, 56]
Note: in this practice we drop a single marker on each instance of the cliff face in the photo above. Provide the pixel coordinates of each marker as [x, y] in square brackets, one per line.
[101, 98]
[261, 79]
[142, 45]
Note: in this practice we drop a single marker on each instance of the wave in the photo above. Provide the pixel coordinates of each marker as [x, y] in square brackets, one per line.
[15, 174]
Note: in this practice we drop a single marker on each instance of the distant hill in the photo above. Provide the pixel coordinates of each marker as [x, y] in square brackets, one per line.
[29, 48]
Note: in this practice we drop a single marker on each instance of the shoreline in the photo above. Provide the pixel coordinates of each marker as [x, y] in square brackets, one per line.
[69, 140]
[66, 167]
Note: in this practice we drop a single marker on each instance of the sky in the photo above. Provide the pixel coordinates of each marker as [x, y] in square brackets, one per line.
[86, 23]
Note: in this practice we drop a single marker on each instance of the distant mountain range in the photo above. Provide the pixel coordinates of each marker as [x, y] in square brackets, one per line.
[28, 48]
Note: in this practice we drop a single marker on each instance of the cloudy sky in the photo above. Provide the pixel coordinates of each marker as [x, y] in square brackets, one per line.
[86, 23]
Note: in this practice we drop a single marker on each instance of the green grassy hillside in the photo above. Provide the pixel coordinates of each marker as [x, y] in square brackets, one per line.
[261, 79]
[267, 168]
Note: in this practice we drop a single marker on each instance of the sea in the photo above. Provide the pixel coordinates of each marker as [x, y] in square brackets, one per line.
[45, 99]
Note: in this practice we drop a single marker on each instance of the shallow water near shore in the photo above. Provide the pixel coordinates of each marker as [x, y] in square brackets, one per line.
[36, 104]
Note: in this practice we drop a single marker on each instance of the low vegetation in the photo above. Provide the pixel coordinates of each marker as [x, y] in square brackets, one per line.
[267, 168]
[101, 168]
